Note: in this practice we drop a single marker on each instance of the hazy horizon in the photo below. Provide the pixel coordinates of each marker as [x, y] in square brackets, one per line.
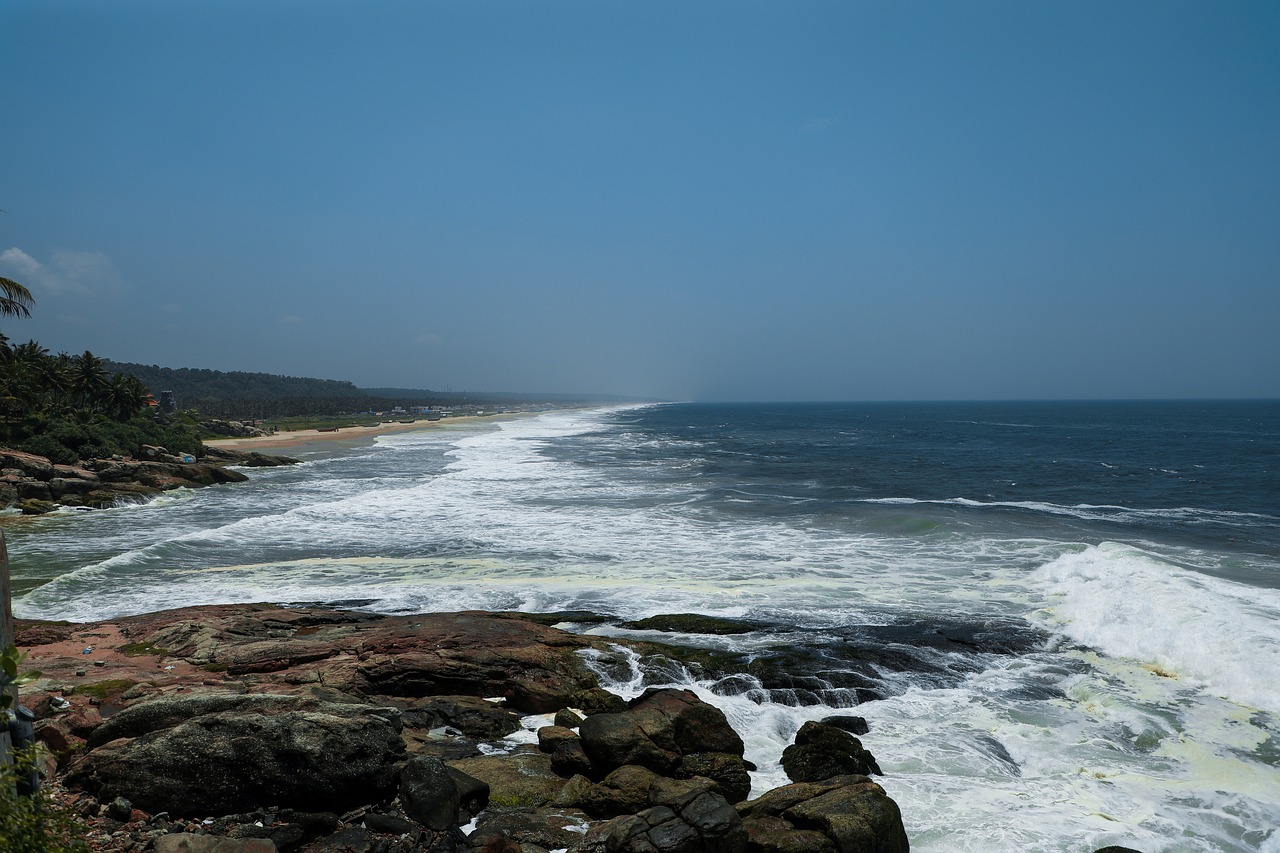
[713, 202]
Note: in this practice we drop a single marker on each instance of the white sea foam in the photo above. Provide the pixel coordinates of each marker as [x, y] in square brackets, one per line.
[1099, 512]
[1129, 603]
[498, 517]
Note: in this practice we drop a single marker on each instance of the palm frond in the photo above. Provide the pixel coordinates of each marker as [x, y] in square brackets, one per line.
[16, 300]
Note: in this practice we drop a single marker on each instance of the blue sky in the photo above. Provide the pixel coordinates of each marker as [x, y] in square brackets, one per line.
[719, 201]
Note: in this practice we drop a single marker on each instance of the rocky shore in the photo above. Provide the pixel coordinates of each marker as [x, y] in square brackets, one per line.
[258, 728]
[35, 485]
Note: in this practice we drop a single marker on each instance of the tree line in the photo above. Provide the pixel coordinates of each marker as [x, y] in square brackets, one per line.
[71, 407]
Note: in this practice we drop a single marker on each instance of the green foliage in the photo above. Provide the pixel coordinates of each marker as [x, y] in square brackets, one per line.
[70, 407]
[65, 439]
[35, 824]
[10, 663]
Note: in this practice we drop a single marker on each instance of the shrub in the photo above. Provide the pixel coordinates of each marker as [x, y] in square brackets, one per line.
[35, 824]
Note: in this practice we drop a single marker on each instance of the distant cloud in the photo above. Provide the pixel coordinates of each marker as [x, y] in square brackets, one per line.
[291, 320]
[67, 272]
[428, 339]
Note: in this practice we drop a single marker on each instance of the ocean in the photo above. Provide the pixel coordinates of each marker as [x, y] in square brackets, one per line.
[1061, 620]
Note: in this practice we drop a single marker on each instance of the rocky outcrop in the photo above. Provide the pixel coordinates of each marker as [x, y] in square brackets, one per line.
[428, 793]
[35, 485]
[691, 822]
[191, 760]
[822, 751]
[247, 458]
[311, 729]
[656, 731]
[852, 813]
[231, 429]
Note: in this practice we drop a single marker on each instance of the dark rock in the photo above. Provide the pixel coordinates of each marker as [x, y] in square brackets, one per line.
[119, 809]
[556, 617]
[597, 700]
[569, 758]
[693, 623]
[775, 835]
[701, 822]
[34, 490]
[615, 740]
[475, 654]
[567, 719]
[471, 715]
[549, 737]
[62, 486]
[428, 793]
[389, 824]
[632, 788]
[852, 812]
[309, 824]
[473, 793]
[265, 460]
[849, 723]
[515, 780]
[543, 827]
[287, 836]
[350, 840]
[730, 773]
[166, 712]
[822, 752]
[1115, 849]
[657, 728]
[229, 761]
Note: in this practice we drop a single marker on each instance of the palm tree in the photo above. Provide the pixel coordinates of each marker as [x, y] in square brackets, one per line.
[88, 379]
[125, 396]
[15, 300]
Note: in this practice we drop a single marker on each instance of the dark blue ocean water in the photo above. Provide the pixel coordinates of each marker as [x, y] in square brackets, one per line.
[1190, 472]
[1061, 619]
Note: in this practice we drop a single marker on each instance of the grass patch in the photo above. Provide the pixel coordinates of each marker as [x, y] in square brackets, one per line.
[103, 689]
[134, 650]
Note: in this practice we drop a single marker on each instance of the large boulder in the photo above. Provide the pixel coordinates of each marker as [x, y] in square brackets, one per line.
[822, 751]
[693, 821]
[547, 829]
[520, 780]
[730, 773]
[472, 716]
[36, 467]
[429, 794]
[656, 731]
[224, 761]
[631, 789]
[853, 813]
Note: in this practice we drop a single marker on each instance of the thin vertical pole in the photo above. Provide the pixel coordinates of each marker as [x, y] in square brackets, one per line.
[6, 637]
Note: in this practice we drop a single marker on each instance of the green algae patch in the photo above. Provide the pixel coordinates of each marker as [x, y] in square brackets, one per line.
[134, 650]
[103, 689]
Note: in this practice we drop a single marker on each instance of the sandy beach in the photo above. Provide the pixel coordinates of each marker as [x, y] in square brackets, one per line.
[296, 438]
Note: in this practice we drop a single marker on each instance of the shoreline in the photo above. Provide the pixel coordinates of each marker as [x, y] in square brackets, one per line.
[302, 437]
